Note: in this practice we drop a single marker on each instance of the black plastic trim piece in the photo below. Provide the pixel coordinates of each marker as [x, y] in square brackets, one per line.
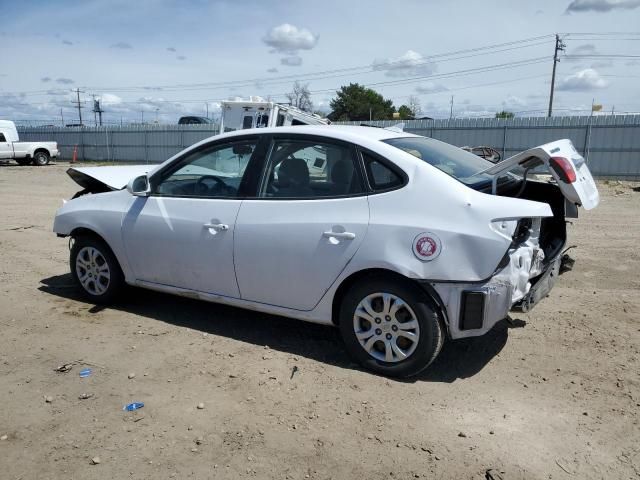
[472, 305]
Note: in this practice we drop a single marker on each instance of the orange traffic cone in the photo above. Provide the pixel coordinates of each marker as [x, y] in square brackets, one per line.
[74, 158]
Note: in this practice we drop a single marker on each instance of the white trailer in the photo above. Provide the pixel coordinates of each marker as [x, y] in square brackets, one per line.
[242, 114]
[38, 153]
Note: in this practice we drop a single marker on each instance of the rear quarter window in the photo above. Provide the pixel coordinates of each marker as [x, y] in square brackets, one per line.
[381, 175]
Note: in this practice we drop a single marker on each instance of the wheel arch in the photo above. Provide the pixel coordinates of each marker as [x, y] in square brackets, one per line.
[40, 149]
[87, 232]
[389, 275]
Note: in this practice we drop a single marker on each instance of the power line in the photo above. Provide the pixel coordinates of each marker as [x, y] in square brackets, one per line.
[597, 55]
[380, 66]
[447, 75]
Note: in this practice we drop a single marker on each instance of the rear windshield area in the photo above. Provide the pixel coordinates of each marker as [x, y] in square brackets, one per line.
[454, 161]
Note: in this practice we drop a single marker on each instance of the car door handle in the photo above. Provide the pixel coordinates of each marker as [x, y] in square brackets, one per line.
[221, 227]
[340, 235]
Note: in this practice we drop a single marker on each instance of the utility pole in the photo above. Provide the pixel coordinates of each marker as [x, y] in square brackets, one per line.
[560, 46]
[78, 104]
[451, 110]
[95, 112]
[207, 105]
[97, 109]
[62, 117]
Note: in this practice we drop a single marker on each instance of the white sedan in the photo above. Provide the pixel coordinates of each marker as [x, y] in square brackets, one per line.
[397, 239]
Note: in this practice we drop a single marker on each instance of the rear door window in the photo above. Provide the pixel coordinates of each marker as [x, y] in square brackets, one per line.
[311, 169]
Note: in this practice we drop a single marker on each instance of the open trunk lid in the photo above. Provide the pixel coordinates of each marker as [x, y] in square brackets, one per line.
[566, 166]
[100, 179]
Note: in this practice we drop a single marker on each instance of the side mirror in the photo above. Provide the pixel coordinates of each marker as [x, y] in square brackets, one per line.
[139, 186]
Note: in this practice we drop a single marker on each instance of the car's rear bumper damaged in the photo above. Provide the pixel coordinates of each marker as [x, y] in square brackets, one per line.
[474, 308]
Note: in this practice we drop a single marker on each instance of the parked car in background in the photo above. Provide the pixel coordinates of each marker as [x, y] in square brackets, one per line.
[190, 120]
[25, 153]
[396, 239]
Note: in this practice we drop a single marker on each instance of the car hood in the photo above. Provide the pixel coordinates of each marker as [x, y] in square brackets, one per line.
[111, 178]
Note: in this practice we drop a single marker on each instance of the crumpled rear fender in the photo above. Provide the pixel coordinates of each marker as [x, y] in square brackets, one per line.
[460, 218]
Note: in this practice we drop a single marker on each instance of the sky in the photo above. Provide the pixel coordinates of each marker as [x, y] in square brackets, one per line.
[156, 60]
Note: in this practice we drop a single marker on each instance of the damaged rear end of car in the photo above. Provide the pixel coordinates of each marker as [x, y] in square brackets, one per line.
[553, 177]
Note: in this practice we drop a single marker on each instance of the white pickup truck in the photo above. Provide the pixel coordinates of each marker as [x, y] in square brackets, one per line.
[25, 153]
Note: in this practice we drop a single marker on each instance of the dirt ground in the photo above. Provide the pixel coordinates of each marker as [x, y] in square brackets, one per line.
[555, 394]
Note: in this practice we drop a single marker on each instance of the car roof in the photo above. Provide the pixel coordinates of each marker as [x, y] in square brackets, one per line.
[353, 133]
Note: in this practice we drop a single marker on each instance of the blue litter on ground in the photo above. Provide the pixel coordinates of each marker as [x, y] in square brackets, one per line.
[133, 406]
[85, 373]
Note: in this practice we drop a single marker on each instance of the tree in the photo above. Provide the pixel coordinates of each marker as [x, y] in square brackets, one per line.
[413, 103]
[356, 102]
[406, 113]
[301, 97]
[505, 114]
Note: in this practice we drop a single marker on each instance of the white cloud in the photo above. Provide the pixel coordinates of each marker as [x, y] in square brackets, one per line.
[171, 49]
[67, 42]
[181, 57]
[289, 39]
[601, 5]
[409, 64]
[514, 103]
[45, 79]
[110, 99]
[64, 81]
[292, 61]
[431, 87]
[582, 81]
[272, 70]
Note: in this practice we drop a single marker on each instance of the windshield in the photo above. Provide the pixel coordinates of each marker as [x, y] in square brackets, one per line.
[454, 161]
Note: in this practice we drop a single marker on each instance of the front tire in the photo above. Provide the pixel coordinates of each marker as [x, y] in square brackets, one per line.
[96, 270]
[390, 327]
[41, 158]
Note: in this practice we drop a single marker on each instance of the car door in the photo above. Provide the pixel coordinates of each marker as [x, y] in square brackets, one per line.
[181, 235]
[308, 220]
[5, 147]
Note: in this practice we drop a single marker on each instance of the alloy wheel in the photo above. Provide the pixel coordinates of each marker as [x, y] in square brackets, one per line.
[93, 270]
[386, 327]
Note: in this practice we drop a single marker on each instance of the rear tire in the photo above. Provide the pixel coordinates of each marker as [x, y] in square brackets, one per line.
[95, 269]
[390, 328]
[23, 161]
[41, 158]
